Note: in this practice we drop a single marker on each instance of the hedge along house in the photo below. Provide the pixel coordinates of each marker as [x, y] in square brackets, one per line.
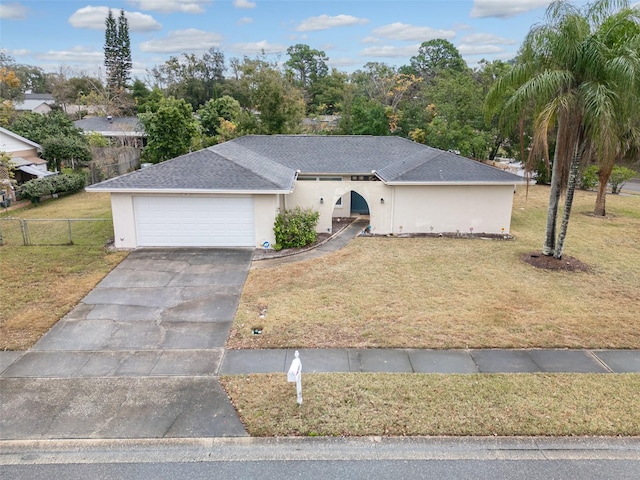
[230, 194]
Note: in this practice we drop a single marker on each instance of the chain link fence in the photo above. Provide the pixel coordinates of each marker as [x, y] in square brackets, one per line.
[58, 231]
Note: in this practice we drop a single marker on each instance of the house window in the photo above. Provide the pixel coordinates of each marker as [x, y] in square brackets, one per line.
[339, 203]
[313, 178]
[364, 178]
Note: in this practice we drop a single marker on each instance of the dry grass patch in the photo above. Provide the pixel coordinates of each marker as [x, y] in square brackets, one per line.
[458, 293]
[39, 285]
[415, 404]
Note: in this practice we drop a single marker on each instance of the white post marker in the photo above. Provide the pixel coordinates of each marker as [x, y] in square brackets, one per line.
[295, 375]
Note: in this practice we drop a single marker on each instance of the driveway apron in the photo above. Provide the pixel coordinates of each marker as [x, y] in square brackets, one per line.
[137, 357]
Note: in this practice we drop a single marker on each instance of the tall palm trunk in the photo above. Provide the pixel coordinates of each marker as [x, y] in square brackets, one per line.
[554, 202]
[603, 177]
[571, 188]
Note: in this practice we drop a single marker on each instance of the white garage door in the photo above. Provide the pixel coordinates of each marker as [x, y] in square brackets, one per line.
[194, 221]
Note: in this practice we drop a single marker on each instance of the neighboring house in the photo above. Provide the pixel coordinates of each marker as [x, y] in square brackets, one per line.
[120, 130]
[230, 194]
[24, 156]
[35, 102]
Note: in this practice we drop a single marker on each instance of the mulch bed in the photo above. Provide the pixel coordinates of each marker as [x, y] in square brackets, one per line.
[338, 224]
[548, 262]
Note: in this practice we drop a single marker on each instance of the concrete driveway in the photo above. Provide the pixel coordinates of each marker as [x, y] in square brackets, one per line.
[137, 357]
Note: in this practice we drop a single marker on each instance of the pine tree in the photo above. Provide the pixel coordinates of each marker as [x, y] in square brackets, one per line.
[124, 51]
[117, 53]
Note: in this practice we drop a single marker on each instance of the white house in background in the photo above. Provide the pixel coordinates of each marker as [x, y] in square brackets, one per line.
[24, 156]
[35, 102]
[231, 193]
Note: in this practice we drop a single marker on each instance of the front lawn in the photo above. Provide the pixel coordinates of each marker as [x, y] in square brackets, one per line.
[458, 293]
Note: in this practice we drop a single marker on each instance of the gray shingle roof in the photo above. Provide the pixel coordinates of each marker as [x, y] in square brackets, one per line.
[270, 162]
[116, 125]
[201, 170]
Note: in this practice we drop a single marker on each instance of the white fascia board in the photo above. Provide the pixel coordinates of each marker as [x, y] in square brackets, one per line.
[393, 184]
[191, 191]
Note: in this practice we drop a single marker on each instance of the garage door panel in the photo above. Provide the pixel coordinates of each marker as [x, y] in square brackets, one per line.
[194, 221]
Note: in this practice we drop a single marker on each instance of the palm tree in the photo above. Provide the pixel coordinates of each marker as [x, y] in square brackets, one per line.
[573, 81]
[621, 36]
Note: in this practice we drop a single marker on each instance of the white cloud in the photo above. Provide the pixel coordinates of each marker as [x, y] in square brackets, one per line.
[244, 4]
[470, 50]
[486, 39]
[256, 48]
[461, 26]
[170, 6]
[76, 55]
[373, 40]
[16, 52]
[13, 11]
[504, 8]
[325, 22]
[403, 31]
[179, 41]
[245, 20]
[342, 62]
[390, 52]
[94, 18]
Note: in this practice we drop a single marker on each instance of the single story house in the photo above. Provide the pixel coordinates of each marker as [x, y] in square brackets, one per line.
[230, 194]
[35, 102]
[120, 130]
[24, 157]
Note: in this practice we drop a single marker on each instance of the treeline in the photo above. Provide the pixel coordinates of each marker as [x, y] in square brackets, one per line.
[436, 99]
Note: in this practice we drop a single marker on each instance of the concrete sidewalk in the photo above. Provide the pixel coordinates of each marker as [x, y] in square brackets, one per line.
[433, 361]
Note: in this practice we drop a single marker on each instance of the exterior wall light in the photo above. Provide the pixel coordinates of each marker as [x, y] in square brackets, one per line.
[321, 200]
[382, 201]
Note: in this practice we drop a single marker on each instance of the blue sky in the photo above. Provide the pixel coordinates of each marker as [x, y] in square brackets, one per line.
[70, 34]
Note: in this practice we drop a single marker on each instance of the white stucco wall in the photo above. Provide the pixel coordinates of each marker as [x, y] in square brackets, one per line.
[440, 209]
[265, 211]
[266, 207]
[124, 227]
[307, 194]
[417, 209]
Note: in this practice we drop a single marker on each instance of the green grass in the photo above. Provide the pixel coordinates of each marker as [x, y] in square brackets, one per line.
[458, 293]
[40, 284]
[417, 404]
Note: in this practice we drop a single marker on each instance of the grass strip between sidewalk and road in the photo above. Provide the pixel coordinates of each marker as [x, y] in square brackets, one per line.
[431, 404]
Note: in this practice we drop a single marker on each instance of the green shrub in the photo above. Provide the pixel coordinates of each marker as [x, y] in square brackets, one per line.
[619, 175]
[296, 228]
[40, 187]
[542, 173]
[589, 178]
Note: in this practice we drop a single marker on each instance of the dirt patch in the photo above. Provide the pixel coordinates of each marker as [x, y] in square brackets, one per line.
[548, 262]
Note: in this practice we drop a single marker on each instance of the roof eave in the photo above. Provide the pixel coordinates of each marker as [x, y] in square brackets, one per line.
[458, 183]
[190, 191]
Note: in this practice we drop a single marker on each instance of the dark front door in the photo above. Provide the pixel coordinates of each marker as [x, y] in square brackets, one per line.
[359, 205]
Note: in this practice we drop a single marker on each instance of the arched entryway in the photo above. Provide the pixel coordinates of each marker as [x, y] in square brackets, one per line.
[359, 205]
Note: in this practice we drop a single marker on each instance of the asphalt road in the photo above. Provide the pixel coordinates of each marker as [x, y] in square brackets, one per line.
[342, 470]
[632, 185]
[341, 458]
